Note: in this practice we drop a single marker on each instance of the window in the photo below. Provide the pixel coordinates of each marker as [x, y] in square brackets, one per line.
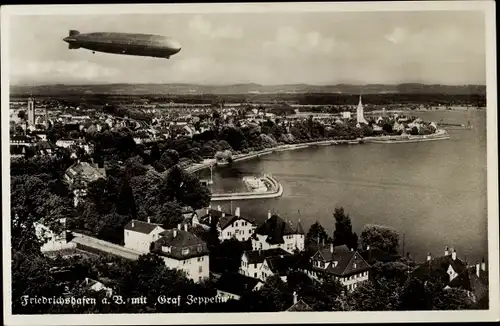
[255, 274]
[254, 265]
[236, 224]
[185, 251]
[128, 233]
[200, 269]
[199, 279]
[200, 248]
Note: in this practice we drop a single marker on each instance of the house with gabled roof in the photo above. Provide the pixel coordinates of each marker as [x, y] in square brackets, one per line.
[139, 235]
[229, 225]
[79, 175]
[234, 285]
[455, 273]
[277, 265]
[181, 249]
[251, 261]
[276, 233]
[299, 304]
[344, 265]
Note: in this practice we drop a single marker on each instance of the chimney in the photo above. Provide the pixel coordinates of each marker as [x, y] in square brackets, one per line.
[295, 297]
[331, 248]
[149, 219]
[175, 233]
[268, 214]
[478, 268]
[219, 208]
[429, 257]
[133, 223]
[185, 227]
[237, 212]
[454, 255]
[483, 265]
[446, 251]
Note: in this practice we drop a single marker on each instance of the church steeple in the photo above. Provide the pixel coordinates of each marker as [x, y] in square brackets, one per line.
[359, 113]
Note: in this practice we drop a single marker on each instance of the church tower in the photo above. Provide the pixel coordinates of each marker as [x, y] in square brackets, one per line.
[359, 113]
[31, 111]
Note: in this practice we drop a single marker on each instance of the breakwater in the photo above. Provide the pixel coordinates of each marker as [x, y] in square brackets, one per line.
[275, 189]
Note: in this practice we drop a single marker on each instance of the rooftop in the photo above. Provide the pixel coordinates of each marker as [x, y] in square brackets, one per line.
[258, 256]
[181, 245]
[141, 226]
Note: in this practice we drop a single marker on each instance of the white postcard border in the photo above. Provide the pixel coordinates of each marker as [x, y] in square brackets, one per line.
[488, 7]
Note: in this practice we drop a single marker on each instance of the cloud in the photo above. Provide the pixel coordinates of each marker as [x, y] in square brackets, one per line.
[397, 35]
[206, 28]
[288, 39]
[68, 70]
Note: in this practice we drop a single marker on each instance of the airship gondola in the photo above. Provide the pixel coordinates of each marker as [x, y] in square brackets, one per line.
[147, 45]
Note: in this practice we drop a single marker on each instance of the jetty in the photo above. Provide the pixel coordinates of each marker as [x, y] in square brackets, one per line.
[274, 190]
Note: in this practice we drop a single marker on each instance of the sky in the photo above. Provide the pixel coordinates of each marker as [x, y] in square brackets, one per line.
[445, 47]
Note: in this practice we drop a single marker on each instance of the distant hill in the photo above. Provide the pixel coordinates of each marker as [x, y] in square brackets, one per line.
[163, 89]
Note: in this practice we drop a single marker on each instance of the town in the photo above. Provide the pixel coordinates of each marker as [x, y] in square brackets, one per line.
[106, 203]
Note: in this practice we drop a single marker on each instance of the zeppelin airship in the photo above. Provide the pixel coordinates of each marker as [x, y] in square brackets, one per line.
[146, 45]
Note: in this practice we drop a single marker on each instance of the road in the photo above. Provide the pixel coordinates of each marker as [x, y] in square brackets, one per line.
[104, 246]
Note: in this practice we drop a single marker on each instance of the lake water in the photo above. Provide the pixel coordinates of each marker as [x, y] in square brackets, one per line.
[432, 192]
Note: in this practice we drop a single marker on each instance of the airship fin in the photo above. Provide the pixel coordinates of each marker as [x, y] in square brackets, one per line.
[73, 32]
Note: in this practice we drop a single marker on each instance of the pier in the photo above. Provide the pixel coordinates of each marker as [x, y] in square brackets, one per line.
[275, 189]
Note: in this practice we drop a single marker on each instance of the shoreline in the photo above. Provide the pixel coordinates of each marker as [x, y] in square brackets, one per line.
[441, 134]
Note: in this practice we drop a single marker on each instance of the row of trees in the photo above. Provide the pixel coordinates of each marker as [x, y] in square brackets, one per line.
[381, 237]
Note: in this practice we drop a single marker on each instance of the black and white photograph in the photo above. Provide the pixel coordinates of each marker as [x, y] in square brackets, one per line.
[297, 162]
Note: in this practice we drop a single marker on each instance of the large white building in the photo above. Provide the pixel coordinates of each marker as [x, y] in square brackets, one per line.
[275, 233]
[252, 261]
[53, 241]
[229, 226]
[183, 250]
[346, 266]
[139, 235]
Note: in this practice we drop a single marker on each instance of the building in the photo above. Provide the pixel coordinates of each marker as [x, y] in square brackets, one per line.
[229, 226]
[346, 115]
[346, 266]
[234, 285]
[359, 114]
[455, 273]
[277, 265]
[31, 111]
[299, 305]
[36, 116]
[139, 235]
[251, 261]
[275, 233]
[79, 175]
[183, 250]
[53, 240]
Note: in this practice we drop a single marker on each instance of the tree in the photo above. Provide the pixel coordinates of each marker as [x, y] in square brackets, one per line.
[126, 203]
[22, 115]
[382, 237]
[314, 237]
[276, 294]
[343, 234]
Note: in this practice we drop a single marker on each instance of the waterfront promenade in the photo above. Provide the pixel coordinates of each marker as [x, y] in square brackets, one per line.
[441, 134]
